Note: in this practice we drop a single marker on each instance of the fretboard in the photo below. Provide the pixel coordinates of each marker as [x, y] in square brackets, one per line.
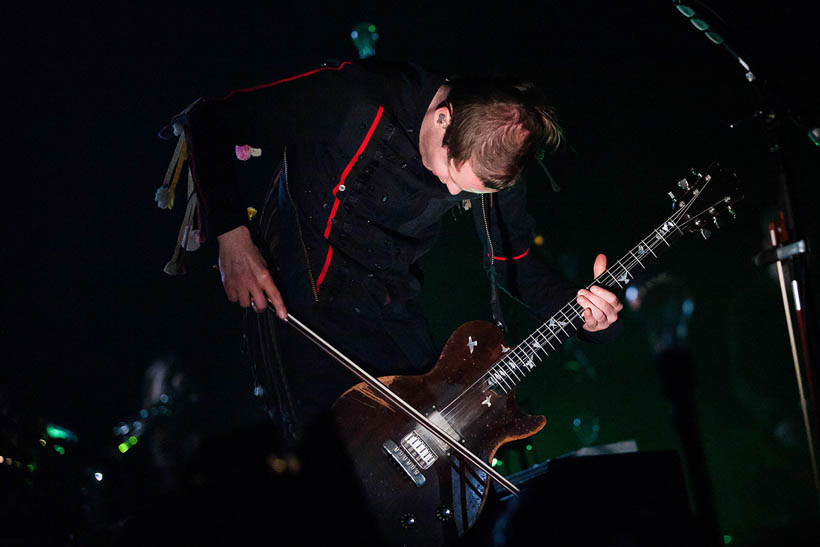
[518, 362]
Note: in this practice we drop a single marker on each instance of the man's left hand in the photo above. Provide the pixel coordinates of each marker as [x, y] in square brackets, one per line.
[601, 307]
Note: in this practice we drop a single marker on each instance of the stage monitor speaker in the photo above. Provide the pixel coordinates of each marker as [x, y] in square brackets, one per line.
[623, 500]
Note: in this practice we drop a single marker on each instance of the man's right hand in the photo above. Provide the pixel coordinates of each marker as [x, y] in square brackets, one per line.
[245, 274]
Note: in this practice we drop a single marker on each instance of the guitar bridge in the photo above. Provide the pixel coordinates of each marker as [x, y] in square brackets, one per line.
[404, 462]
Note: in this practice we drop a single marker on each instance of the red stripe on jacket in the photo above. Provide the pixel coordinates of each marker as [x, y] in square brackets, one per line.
[501, 258]
[289, 79]
[342, 179]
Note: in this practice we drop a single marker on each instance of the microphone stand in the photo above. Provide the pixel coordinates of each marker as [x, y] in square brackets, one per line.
[789, 250]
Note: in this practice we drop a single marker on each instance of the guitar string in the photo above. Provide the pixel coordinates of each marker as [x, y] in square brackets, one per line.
[457, 406]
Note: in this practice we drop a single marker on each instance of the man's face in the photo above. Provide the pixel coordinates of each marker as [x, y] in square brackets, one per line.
[434, 157]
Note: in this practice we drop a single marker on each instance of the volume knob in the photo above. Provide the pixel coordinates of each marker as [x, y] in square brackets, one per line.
[408, 520]
[444, 513]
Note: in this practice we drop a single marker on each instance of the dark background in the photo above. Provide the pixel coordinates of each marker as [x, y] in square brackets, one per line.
[643, 97]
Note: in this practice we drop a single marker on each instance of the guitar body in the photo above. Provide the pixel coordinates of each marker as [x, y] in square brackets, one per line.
[418, 494]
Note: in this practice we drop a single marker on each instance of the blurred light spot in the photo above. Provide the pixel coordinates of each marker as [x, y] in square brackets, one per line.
[98, 476]
[686, 10]
[538, 240]
[699, 24]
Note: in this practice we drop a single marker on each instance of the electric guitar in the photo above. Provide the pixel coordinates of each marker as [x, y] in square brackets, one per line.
[420, 491]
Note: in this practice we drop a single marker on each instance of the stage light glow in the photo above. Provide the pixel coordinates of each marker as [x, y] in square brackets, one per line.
[528, 447]
[699, 24]
[727, 539]
[364, 37]
[98, 476]
[123, 447]
[132, 440]
[2, 459]
[686, 10]
[57, 432]
[497, 462]
[714, 37]
[59, 449]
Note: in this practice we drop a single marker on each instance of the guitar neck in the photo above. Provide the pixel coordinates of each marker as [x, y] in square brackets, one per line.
[518, 362]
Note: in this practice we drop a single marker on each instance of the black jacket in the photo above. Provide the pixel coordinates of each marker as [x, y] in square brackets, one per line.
[367, 208]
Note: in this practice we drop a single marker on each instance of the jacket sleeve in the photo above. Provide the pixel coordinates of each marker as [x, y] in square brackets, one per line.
[265, 117]
[517, 270]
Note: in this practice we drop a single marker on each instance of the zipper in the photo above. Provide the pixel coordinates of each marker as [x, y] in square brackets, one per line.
[487, 231]
[495, 307]
[299, 229]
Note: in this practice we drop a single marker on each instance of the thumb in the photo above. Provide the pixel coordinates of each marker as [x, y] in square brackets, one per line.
[599, 266]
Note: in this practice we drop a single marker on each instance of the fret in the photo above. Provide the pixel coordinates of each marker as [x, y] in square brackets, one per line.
[497, 378]
[534, 347]
[660, 235]
[643, 249]
[512, 366]
[615, 279]
[546, 339]
[625, 278]
[568, 320]
[636, 259]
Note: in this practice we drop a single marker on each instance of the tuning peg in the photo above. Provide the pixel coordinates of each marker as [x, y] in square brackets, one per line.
[695, 173]
[715, 222]
[732, 212]
[683, 183]
[705, 233]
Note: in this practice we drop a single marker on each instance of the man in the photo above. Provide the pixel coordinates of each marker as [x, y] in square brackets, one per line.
[372, 155]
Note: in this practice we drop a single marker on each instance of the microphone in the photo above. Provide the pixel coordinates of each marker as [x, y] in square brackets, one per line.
[781, 252]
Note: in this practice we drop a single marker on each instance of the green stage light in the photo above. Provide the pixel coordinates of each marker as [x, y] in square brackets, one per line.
[57, 432]
[686, 10]
[699, 24]
[364, 37]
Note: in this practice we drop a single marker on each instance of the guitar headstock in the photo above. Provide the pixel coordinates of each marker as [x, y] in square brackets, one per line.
[707, 198]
